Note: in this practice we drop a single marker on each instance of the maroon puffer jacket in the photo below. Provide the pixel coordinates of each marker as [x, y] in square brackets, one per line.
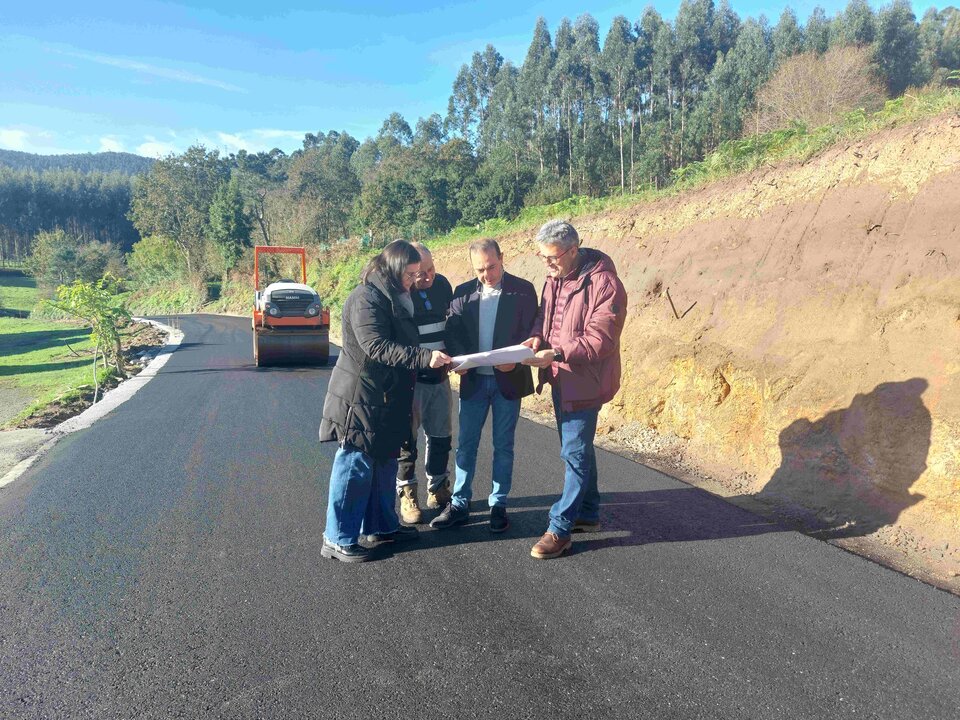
[583, 315]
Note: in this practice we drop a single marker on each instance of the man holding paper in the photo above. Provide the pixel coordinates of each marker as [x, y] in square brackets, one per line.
[494, 311]
[576, 338]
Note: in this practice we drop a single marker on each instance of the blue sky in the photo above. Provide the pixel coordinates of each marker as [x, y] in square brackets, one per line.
[155, 77]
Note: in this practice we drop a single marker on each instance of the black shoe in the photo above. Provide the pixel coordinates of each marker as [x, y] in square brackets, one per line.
[402, 533]
[344, 553]
[451, 515]
[499, 521]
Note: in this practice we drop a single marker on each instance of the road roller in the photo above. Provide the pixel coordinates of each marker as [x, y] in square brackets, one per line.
[290, 325]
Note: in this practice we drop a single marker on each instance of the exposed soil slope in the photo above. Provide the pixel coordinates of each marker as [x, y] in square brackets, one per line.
[816, 364]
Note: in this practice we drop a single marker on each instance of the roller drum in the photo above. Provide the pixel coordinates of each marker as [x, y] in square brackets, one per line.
[273, 347]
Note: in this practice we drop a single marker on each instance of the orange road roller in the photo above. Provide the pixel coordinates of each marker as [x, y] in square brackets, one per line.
[290, 325]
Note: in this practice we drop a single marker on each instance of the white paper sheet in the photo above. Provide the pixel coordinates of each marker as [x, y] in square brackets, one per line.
[501, 356]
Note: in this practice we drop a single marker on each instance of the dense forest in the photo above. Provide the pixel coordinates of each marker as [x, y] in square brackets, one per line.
[102, 162]
[586, 113]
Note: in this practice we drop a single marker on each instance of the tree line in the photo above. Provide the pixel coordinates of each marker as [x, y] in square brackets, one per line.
[582, 115]
[90, 207]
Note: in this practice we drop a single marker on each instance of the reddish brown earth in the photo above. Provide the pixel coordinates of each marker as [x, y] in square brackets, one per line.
[815, 369]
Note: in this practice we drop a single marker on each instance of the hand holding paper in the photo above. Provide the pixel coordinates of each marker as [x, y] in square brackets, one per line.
[490, 358]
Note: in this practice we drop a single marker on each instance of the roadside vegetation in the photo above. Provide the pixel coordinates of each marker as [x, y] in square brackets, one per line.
[58, 361]
[42, 360]
[339, 269]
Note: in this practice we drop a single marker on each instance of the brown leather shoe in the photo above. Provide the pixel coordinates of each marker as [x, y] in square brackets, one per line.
[551, 546]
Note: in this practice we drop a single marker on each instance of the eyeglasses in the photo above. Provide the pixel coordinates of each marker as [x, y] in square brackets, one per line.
[409, 276]
[554, 259]
[426, 273]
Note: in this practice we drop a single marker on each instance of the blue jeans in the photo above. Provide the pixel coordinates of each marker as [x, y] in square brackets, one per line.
[581, 498]
[473, 414]
[362, 496]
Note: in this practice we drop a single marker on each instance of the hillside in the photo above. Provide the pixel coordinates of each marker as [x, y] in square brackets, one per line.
[104, 162]
[815, 367]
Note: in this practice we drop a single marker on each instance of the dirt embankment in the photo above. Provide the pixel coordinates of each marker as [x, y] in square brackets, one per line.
[815, 365]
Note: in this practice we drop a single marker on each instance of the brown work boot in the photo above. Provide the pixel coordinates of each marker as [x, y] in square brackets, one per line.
[439, 498]
[410, 512]
[551, 546]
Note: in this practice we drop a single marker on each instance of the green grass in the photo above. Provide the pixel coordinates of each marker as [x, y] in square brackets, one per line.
[167, 298]
[18, 293]
[37, 362]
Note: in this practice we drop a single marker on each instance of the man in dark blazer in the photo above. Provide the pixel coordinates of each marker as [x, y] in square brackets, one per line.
[496, 310]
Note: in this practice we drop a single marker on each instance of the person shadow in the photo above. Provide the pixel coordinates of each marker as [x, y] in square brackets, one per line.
[851, 472]
[844, 475]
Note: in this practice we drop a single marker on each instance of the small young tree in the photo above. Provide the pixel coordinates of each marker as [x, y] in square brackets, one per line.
[816, 89]
[97, 305]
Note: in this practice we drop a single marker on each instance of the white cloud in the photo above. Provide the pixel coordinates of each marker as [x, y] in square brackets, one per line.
[258, 140]
[155, 70]
[110, 144]
[155, 148]
[14, 139]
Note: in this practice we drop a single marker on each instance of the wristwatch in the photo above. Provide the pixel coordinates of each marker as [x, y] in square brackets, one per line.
[557, 355]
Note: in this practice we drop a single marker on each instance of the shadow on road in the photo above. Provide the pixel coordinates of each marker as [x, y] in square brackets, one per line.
[628, 519]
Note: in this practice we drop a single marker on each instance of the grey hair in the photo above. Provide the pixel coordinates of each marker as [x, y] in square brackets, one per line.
[559, 234]
[420, 247]
[485, 245]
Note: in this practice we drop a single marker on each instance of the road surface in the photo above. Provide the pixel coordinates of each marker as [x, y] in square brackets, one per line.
[165, 562]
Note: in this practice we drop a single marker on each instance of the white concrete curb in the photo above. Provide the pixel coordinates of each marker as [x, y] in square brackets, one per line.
[110, 401]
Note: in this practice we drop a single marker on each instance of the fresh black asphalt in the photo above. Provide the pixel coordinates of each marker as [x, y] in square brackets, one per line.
[166, 563]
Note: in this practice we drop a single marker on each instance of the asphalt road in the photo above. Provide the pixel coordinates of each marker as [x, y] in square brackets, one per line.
[166, 563]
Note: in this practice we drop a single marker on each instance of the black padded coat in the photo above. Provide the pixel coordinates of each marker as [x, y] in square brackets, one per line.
[370, 393]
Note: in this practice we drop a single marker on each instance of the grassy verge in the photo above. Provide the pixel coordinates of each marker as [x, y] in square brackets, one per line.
[167, 299]
[41, 361]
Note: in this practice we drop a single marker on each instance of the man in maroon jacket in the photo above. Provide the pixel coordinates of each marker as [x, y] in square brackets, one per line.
[576, 341]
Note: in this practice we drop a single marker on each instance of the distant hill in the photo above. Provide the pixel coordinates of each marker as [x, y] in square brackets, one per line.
[126, 163]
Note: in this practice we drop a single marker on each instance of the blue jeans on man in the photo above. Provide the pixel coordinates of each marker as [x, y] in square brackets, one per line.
[362, 497]
[473, 415]
[581, 497]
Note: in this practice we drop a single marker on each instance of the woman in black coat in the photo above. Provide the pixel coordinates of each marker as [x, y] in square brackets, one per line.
[369, 401]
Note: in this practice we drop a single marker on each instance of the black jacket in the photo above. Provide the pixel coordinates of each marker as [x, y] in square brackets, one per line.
[515, 315]
[370, 394]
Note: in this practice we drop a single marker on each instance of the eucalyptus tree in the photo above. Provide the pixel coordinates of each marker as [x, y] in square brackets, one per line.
[697, 53]
[505, 128]
[726, 27]
[816, 33]
[229, 224]
[617, 66]
[467, 108]
[787, 37]
[752, 58]
[586, 36]
[897, 45]
[534, 88]
[856, 25]
[563, 91]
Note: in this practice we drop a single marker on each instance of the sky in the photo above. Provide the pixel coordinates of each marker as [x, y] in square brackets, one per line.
[156, 77]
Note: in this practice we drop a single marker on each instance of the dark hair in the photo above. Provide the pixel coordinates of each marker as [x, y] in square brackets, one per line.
[391, 263]
[485, 245]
